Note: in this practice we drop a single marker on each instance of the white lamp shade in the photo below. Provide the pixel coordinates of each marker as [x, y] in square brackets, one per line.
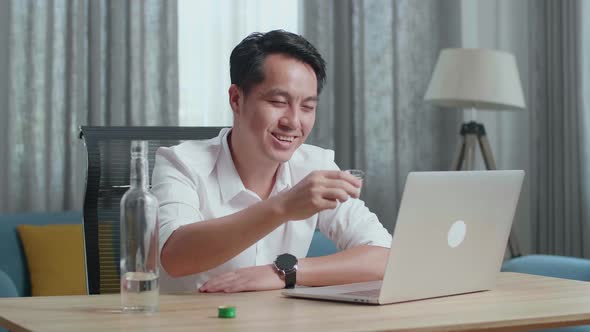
[476, 78]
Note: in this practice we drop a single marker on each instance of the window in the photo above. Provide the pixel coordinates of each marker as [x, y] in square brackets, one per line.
[207, 33]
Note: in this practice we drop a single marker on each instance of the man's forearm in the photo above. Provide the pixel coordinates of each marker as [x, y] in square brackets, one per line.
[362, 263]
[204, 245]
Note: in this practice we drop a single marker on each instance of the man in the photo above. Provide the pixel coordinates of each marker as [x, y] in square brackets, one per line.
[238, 212]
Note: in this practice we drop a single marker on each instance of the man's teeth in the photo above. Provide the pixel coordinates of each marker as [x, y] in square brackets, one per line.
[285, 138]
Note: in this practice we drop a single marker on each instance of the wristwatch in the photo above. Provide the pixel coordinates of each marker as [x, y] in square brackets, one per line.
[286, 267]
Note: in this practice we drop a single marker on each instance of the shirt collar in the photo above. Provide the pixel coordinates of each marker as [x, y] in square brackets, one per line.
[283, 181]
[228, 177]
[230, 182]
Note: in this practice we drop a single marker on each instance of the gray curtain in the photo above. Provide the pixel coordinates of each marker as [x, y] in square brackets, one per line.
[70, 63]
[560, 107]
[380, 57]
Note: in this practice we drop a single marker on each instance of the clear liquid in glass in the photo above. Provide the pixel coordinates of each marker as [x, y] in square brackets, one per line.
[140, 292]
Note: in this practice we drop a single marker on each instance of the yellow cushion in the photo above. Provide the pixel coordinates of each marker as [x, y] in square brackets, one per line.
[55, 256]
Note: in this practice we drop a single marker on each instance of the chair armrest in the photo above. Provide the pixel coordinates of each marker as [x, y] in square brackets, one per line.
[7, 287]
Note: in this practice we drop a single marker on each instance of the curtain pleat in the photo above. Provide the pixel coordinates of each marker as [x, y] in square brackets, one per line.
[380, 57]
[73, 63]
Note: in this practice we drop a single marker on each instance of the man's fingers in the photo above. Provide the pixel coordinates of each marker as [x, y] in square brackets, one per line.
[342, 175]
[330, 174]
[330, 204]
[335, 194]
[343, 185]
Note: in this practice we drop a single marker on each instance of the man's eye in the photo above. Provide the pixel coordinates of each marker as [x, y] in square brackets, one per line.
[308, 108]
[279, 102]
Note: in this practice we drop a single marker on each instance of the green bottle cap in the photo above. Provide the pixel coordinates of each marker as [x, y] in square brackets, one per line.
[226, 312]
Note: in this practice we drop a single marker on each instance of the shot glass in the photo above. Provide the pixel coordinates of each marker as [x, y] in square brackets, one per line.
[359, 174]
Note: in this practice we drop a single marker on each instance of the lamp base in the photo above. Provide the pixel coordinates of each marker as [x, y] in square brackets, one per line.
[474, 133]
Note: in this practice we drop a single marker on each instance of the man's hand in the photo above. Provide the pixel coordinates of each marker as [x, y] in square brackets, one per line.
[255, 278]
[320, 190]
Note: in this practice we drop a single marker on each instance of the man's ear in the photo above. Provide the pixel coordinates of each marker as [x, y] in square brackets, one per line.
[235, 98]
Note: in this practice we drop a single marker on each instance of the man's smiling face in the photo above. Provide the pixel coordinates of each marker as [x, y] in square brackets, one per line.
[276, 115]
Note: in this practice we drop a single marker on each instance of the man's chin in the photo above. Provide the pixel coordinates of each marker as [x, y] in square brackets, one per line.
[282, 156]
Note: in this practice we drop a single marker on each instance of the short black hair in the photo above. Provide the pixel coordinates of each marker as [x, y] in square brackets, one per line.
[247, 58]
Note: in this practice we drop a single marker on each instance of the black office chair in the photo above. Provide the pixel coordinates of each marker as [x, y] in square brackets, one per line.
[107, 180]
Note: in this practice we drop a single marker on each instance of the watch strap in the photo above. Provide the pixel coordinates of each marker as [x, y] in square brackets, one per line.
[290, 278]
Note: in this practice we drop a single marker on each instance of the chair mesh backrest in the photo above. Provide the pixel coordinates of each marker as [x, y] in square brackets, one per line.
[106, 182]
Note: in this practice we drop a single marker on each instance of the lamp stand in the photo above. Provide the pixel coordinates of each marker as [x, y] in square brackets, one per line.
[472, 133]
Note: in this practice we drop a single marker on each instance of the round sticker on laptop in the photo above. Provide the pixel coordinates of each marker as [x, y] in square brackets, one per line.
[456, 233]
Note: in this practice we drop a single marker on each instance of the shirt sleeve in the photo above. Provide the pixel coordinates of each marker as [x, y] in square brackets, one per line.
[176, 192]
[351, 224]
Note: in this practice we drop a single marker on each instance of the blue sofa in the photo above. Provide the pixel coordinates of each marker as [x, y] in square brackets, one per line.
[551, 266]
[13, 261]
[14, 275]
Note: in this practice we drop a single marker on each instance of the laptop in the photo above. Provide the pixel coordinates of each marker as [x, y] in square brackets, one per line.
[450, 238]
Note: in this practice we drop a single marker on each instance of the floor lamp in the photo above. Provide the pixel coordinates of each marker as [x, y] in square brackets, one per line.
[476, 79]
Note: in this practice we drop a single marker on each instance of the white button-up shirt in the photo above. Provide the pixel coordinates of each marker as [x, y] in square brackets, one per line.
[197, 180]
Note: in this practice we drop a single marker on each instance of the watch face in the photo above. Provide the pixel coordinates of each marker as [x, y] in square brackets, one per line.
[286, 262]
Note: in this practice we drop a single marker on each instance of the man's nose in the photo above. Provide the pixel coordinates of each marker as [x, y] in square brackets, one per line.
[291, 117]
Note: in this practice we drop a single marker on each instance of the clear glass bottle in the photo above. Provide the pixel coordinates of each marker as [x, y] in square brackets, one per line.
[139, 238]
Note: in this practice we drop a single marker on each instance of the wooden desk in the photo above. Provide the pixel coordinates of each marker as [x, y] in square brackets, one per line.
[520, 302]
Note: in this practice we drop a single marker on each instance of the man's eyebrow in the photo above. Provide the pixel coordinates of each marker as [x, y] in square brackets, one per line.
[276, 92]
[283, 93]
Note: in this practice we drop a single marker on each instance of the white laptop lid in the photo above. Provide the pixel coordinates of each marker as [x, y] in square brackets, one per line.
[427, 258]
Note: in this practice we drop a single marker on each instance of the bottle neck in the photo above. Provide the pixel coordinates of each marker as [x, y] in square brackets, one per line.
[139, 173]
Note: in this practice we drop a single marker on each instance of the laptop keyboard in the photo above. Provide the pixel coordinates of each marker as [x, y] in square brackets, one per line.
[365, 293]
